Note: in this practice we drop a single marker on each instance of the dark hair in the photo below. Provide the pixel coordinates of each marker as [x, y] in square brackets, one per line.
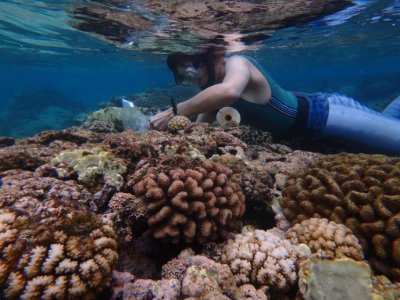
[206, 58]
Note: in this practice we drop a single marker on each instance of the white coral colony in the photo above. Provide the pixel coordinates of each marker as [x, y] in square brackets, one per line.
[227, 116]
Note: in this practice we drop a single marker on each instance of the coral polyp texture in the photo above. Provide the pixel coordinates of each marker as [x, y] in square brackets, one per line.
[359, 190]
[91, 165]
[178, 123]
[67, 256]
[25, 190]
[335, 240]
[263, 258]
[202, 204]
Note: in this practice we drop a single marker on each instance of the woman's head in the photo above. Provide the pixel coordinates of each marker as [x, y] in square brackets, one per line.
[195, 68]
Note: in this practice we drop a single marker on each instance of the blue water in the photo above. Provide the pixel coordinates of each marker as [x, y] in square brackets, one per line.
[51, 73]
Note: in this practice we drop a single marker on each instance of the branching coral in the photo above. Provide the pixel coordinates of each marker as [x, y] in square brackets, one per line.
[203, 203]
[361, 191]
[263, 258]
[203, 278]
[335, 240]
[61, 256]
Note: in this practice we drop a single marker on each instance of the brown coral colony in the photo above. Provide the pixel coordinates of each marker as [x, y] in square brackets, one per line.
[359, 191]
[200, 204]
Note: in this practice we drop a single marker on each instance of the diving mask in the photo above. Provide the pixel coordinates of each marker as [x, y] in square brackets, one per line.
[189, 76]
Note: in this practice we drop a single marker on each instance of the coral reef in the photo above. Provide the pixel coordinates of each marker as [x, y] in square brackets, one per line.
[199, 278]
[178, 123]
[263, 258]
[76, 136]
[128, 288]
[176, 268]
[25, 190]
[208, 279]
[116, 119]
[67, 254]
[203, 278]
[108, 119]
[341, 278]
[23, 157]
[359, 190]
[257, 188]
[93, 165]
[334, 240]
[281, 162]
[202, 133]
[384, 289]
[254, 136]
[200, 203]
[6, 141]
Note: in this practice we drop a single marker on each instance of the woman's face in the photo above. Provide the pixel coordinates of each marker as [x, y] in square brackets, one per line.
[192, 73]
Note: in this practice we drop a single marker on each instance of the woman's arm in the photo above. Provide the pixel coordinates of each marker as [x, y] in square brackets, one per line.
[207, 117]
[237, 76]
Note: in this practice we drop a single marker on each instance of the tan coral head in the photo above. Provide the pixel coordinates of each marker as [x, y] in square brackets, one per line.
[228, 116]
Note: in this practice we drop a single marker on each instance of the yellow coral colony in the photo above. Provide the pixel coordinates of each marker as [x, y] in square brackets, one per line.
[89, 163]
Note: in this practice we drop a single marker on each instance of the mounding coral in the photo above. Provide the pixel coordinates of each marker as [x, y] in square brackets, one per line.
[202, 202]
[334, 240]
[178, 123]
[264, 258]
[359, 190]
[65, 255]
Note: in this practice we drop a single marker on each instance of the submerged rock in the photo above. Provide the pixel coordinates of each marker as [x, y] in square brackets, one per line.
[335, 279]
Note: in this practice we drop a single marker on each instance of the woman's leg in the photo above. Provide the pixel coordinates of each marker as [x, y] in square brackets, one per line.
[351, 122]
[393, 109]
[206, 117]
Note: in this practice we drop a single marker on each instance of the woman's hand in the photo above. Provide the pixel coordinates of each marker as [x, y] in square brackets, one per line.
[160, 120]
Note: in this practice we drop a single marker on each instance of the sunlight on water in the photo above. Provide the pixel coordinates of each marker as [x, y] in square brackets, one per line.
[33, 23]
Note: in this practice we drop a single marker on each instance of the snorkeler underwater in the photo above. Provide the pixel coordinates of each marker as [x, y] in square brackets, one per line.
[199, 149]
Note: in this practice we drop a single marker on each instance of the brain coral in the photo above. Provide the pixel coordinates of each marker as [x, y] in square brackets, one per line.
[178, 123]
[335, 240]
[263, 258]
[361, 191]
[202, 203]
[92, 165]
[67, 256]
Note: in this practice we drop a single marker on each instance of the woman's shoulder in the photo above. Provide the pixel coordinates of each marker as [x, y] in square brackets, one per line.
[237, 59]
